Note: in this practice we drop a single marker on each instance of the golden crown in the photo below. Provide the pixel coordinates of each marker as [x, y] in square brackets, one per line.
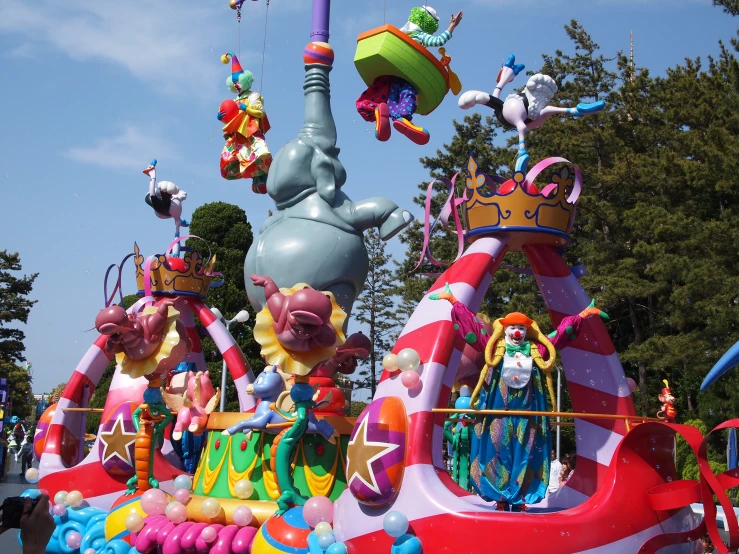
[190, 275]
[519, 209]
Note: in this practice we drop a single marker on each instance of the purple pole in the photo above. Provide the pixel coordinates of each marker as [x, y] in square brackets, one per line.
[319, 23]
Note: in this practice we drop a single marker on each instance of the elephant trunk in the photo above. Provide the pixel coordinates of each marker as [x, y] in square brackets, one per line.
[318, 119]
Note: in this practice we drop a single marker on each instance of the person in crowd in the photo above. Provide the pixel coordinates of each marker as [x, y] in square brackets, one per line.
[27, 454]
[555, 473]
[37, 525]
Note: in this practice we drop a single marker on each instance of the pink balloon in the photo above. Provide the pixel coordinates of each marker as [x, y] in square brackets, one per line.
[154, 502]
[177, 514]
[319, 508]
[631, 383]
[242, 516]
[182, 495]
[209, 534]
[74, 540]
[59, 510]
[410, 379]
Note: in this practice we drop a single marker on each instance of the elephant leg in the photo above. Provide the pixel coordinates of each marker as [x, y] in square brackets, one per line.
[376, 212]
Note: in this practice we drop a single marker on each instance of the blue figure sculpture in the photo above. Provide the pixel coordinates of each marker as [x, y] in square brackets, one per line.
[727, 361]
[269, 387]
[316, 234]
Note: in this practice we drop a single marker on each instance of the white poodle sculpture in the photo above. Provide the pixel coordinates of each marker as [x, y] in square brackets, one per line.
[524, 110]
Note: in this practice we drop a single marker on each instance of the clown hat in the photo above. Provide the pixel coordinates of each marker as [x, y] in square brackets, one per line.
[236, 69]
[431, 11]
[516, 318]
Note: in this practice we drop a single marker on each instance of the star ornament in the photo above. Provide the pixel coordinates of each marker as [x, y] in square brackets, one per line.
[361, 453]
[117, 441]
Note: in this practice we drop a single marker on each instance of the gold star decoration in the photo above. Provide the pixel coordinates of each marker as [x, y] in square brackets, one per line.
[116, 442]
[360, 455]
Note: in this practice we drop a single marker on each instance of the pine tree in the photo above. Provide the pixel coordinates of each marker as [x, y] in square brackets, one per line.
[15, 306]
[375, 308]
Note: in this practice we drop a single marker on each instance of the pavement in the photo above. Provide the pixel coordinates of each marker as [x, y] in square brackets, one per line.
[12, 485]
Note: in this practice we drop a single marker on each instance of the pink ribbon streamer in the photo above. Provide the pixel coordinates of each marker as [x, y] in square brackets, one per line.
[449, 208]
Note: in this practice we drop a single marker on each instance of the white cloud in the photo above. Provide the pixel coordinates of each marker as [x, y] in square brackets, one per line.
[150, 39]
[24, 50]
[129, 149]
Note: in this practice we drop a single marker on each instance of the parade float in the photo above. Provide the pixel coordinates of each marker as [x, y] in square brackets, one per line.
[291, 472]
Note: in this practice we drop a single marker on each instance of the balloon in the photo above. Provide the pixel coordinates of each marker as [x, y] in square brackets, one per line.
[183, 482]
[59, 510]
[408, 360]
[242, 516]
[390, 362]
[182, 495]
[177, 513]
[337, 548]
[243, 489]
[154, 502]
[318, 509]
[323, 528]
[210, 507]
[74, 540]
[631, 383]
[326, 540]
[32, 475]
[209, 534]
[90, 551]
[395, 524]
[407, 544]
[134, 523]
[166, 510]
[410, 379]
[60, 497]
[74, 499]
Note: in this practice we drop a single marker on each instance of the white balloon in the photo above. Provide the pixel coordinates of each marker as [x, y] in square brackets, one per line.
[408, 360]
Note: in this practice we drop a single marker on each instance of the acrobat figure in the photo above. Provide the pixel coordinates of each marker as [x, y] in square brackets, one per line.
[245, 155]
[392, 98]
[166, 199]
[525, 110]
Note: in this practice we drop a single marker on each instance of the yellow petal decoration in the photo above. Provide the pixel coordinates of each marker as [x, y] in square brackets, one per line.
[296, 363]
[139, 368]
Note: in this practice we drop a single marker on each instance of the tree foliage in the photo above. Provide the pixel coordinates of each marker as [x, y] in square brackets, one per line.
[228, 234]
[15, 306]
[376, 309]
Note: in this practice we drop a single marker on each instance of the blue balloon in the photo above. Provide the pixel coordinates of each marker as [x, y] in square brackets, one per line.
[326, 540]
[337, 548]
[407, 544]
[395, 524]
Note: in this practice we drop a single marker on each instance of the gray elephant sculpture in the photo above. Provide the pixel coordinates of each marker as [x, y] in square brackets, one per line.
[316, 234]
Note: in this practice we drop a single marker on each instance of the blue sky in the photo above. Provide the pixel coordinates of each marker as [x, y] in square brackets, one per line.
[92, 91]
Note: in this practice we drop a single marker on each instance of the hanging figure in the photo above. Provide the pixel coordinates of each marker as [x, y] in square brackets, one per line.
[166, 199]
[392, 98]
[525, 110]
[245, 155]
[509, 455]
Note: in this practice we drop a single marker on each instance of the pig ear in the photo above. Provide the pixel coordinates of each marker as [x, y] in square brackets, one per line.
[207, 373]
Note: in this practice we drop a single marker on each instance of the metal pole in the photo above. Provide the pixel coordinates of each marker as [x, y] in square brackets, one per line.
[319, 21]
[559, 394]
[223, 373]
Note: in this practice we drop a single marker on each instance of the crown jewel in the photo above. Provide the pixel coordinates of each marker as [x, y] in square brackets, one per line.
[519, 209]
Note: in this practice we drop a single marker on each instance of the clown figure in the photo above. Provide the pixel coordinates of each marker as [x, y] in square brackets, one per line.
[509, 455]
[245, 155]
[392, 98]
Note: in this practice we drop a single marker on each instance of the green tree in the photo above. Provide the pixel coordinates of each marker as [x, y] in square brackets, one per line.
[376, 309]
[227, 232]
[15, 306]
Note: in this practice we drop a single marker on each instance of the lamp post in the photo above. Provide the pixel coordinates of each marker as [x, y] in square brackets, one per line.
[241, 317]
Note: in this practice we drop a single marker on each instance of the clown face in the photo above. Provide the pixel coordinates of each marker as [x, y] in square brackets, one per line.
[515, 334]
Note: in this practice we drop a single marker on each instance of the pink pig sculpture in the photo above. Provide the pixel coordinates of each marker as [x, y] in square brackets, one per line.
[195, 404]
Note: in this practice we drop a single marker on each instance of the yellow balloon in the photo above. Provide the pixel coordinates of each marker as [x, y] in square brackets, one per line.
[210, 507]
[243, 489]
[74, 499]
[134, 523]
[390, 362]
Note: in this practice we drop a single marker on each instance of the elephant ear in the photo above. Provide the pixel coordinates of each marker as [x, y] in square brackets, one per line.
[322, 171]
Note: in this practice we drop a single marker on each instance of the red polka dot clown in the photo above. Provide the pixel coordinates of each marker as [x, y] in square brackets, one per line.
[245, 155]
[394, 99]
